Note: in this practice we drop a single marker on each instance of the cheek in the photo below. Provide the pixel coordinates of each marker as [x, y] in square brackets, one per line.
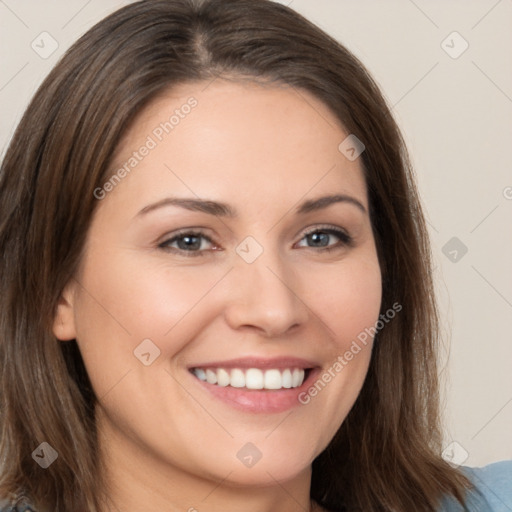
[349, 306]
[122, 302]
[349, 300]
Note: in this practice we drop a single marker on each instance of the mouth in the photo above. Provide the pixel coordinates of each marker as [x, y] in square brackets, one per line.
[253, 378]
[256, 385]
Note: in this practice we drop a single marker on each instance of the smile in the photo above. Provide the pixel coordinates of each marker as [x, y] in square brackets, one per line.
[256, 384]
[252, 378]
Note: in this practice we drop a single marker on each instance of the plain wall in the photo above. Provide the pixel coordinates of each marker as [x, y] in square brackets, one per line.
[455, 111]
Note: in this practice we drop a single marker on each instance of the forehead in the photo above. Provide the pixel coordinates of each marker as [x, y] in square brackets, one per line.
[256, 141]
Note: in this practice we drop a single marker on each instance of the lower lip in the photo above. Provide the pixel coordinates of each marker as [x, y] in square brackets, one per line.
[261, 400]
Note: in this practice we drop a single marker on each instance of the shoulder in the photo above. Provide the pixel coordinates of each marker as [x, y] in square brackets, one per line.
[494, 483]
[9, 506]
[15, 508]
[491, 492]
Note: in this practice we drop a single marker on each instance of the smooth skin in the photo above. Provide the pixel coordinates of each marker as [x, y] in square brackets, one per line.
[263, 150]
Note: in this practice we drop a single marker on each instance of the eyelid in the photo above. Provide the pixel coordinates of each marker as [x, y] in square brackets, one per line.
[325, 227]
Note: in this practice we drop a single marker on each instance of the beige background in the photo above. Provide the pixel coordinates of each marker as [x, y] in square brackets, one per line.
[456, 115]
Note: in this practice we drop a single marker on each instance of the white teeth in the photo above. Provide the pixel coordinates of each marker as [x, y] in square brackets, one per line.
[287, 379]
[273, 379]
[200, 374]
[211, 376]
[252, 378]
[297, 377]
[223, 377]
[237, 378]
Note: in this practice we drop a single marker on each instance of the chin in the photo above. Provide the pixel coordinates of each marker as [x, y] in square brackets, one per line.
[261, 464]
[267, 474]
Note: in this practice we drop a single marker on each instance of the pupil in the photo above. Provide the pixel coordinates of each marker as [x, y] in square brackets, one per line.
[315, 237]
[195, 242]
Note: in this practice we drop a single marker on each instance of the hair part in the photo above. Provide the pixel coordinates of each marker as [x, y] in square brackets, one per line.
[62, 151]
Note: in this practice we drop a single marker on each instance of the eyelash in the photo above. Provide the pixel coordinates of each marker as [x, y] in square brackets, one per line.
[345, 240]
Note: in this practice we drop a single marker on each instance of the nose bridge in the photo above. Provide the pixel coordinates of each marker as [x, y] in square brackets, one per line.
[265, 293]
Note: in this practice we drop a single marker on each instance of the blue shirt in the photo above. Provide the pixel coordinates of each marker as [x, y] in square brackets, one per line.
[492, 493]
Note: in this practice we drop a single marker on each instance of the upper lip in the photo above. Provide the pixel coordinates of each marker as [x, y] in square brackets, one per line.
[258, 362]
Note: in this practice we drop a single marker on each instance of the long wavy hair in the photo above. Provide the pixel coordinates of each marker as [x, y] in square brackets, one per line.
[386, 454]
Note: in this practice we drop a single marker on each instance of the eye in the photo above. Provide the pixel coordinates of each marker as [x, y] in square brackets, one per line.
[320, 236]
[192, 243]
[188, 243]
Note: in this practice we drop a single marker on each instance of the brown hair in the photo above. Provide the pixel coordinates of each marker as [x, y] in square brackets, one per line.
[386, 454]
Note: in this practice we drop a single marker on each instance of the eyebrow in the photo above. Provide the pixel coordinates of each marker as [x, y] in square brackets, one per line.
[224, 210]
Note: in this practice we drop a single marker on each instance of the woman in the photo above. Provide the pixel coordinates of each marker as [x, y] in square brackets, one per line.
[216, 278]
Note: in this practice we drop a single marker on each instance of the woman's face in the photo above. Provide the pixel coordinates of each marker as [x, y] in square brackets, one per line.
[214, 256]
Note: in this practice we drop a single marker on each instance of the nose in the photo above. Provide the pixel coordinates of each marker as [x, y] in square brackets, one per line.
[265, 297]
